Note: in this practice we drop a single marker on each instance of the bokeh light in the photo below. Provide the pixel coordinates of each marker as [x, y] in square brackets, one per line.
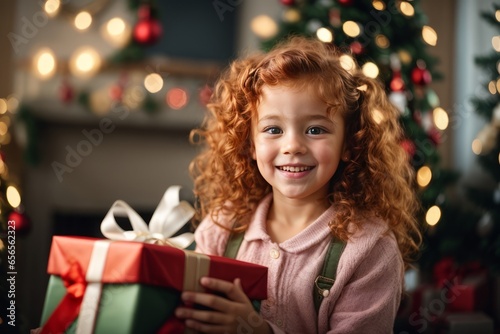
[44, 63]
[370, 70]
[324, 35]
[52, 7]
[429, 35]
[177, 98]
[433, 215]
[424, 176]
[441, 119]
[83, 20]
[264, 26]
[406, 8]
[85, 62]
[153, 82]
[13, 196]
[351, 29]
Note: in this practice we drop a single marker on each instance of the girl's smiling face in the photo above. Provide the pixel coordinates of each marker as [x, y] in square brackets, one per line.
[297, 144]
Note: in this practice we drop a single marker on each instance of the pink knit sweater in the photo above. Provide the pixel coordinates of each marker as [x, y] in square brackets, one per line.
[366, 293]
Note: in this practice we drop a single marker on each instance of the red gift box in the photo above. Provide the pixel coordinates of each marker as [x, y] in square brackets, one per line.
[155, 265]
[470, 293]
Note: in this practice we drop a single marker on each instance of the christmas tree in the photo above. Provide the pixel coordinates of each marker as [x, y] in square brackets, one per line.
[487, 147]
[14, 224]
[390, 41]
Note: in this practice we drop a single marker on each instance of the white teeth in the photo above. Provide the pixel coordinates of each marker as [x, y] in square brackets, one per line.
[294, 169]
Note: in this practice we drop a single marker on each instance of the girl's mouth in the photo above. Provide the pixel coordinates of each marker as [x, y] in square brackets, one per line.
[295, 169]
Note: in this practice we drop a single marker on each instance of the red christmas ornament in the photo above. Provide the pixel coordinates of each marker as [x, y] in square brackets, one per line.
[66, 92]
[435, 136]
[148, 30]
[420, 76]
[21, 222]
[287, 2]
[345, 2]
[409, 146]
[397, 84]
[356, 48]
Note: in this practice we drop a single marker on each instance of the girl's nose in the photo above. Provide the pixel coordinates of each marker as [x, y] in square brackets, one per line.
[293, 144]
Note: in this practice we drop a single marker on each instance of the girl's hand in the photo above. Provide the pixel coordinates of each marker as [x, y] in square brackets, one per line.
[234, 314]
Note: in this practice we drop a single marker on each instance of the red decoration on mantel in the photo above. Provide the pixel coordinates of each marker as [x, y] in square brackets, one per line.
[345, 2]
[148, 30]
[288, 2]
[21, 222]
[66, 92]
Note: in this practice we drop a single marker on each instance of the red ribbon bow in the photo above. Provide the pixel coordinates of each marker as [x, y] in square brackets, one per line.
[69, 307]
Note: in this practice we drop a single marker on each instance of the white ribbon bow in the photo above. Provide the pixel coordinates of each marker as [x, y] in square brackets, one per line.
[169, 217]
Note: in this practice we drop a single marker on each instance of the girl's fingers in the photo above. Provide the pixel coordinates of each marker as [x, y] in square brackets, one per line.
[207, 317]
[206, 299]
[232, 290]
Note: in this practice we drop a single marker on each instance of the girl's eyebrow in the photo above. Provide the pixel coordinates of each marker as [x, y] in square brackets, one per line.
[307, 118]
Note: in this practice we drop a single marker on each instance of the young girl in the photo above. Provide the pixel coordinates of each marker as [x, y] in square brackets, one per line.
[299, 149]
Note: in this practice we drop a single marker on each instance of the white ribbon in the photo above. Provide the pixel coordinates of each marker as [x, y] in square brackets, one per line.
[169, 217]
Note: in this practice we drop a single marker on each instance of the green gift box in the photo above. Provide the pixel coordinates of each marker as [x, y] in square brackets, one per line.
[137, 287]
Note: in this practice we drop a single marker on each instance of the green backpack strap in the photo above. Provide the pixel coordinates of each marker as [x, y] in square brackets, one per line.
[325, 280]
[233, 244]
[232, 247]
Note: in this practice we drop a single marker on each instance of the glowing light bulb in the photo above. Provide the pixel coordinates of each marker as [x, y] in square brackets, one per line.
[83, 20]
[116, 32]
[153, 82]
[441, 119]
[370, 70]
[406, 8]
[378, 5]
[433, 215]
[429, 35]
[477, 146]
[52, 7]
[351, 29]
[492, 87]
[424, 176]
[382, 41]
[44, 63]
[264, 26]
[324, 35]
[347, 63]
[291, 15]
[495, 42]
[13, 196]
[85, 62]
[3, 106]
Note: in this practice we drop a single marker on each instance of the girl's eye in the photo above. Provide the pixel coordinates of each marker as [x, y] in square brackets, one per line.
[273, 130]
[315, 130]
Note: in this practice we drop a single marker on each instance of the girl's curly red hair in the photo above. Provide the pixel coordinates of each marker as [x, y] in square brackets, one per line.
[378, 179]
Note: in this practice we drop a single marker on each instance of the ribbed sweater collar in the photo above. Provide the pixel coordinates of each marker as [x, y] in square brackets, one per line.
[309, 237]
